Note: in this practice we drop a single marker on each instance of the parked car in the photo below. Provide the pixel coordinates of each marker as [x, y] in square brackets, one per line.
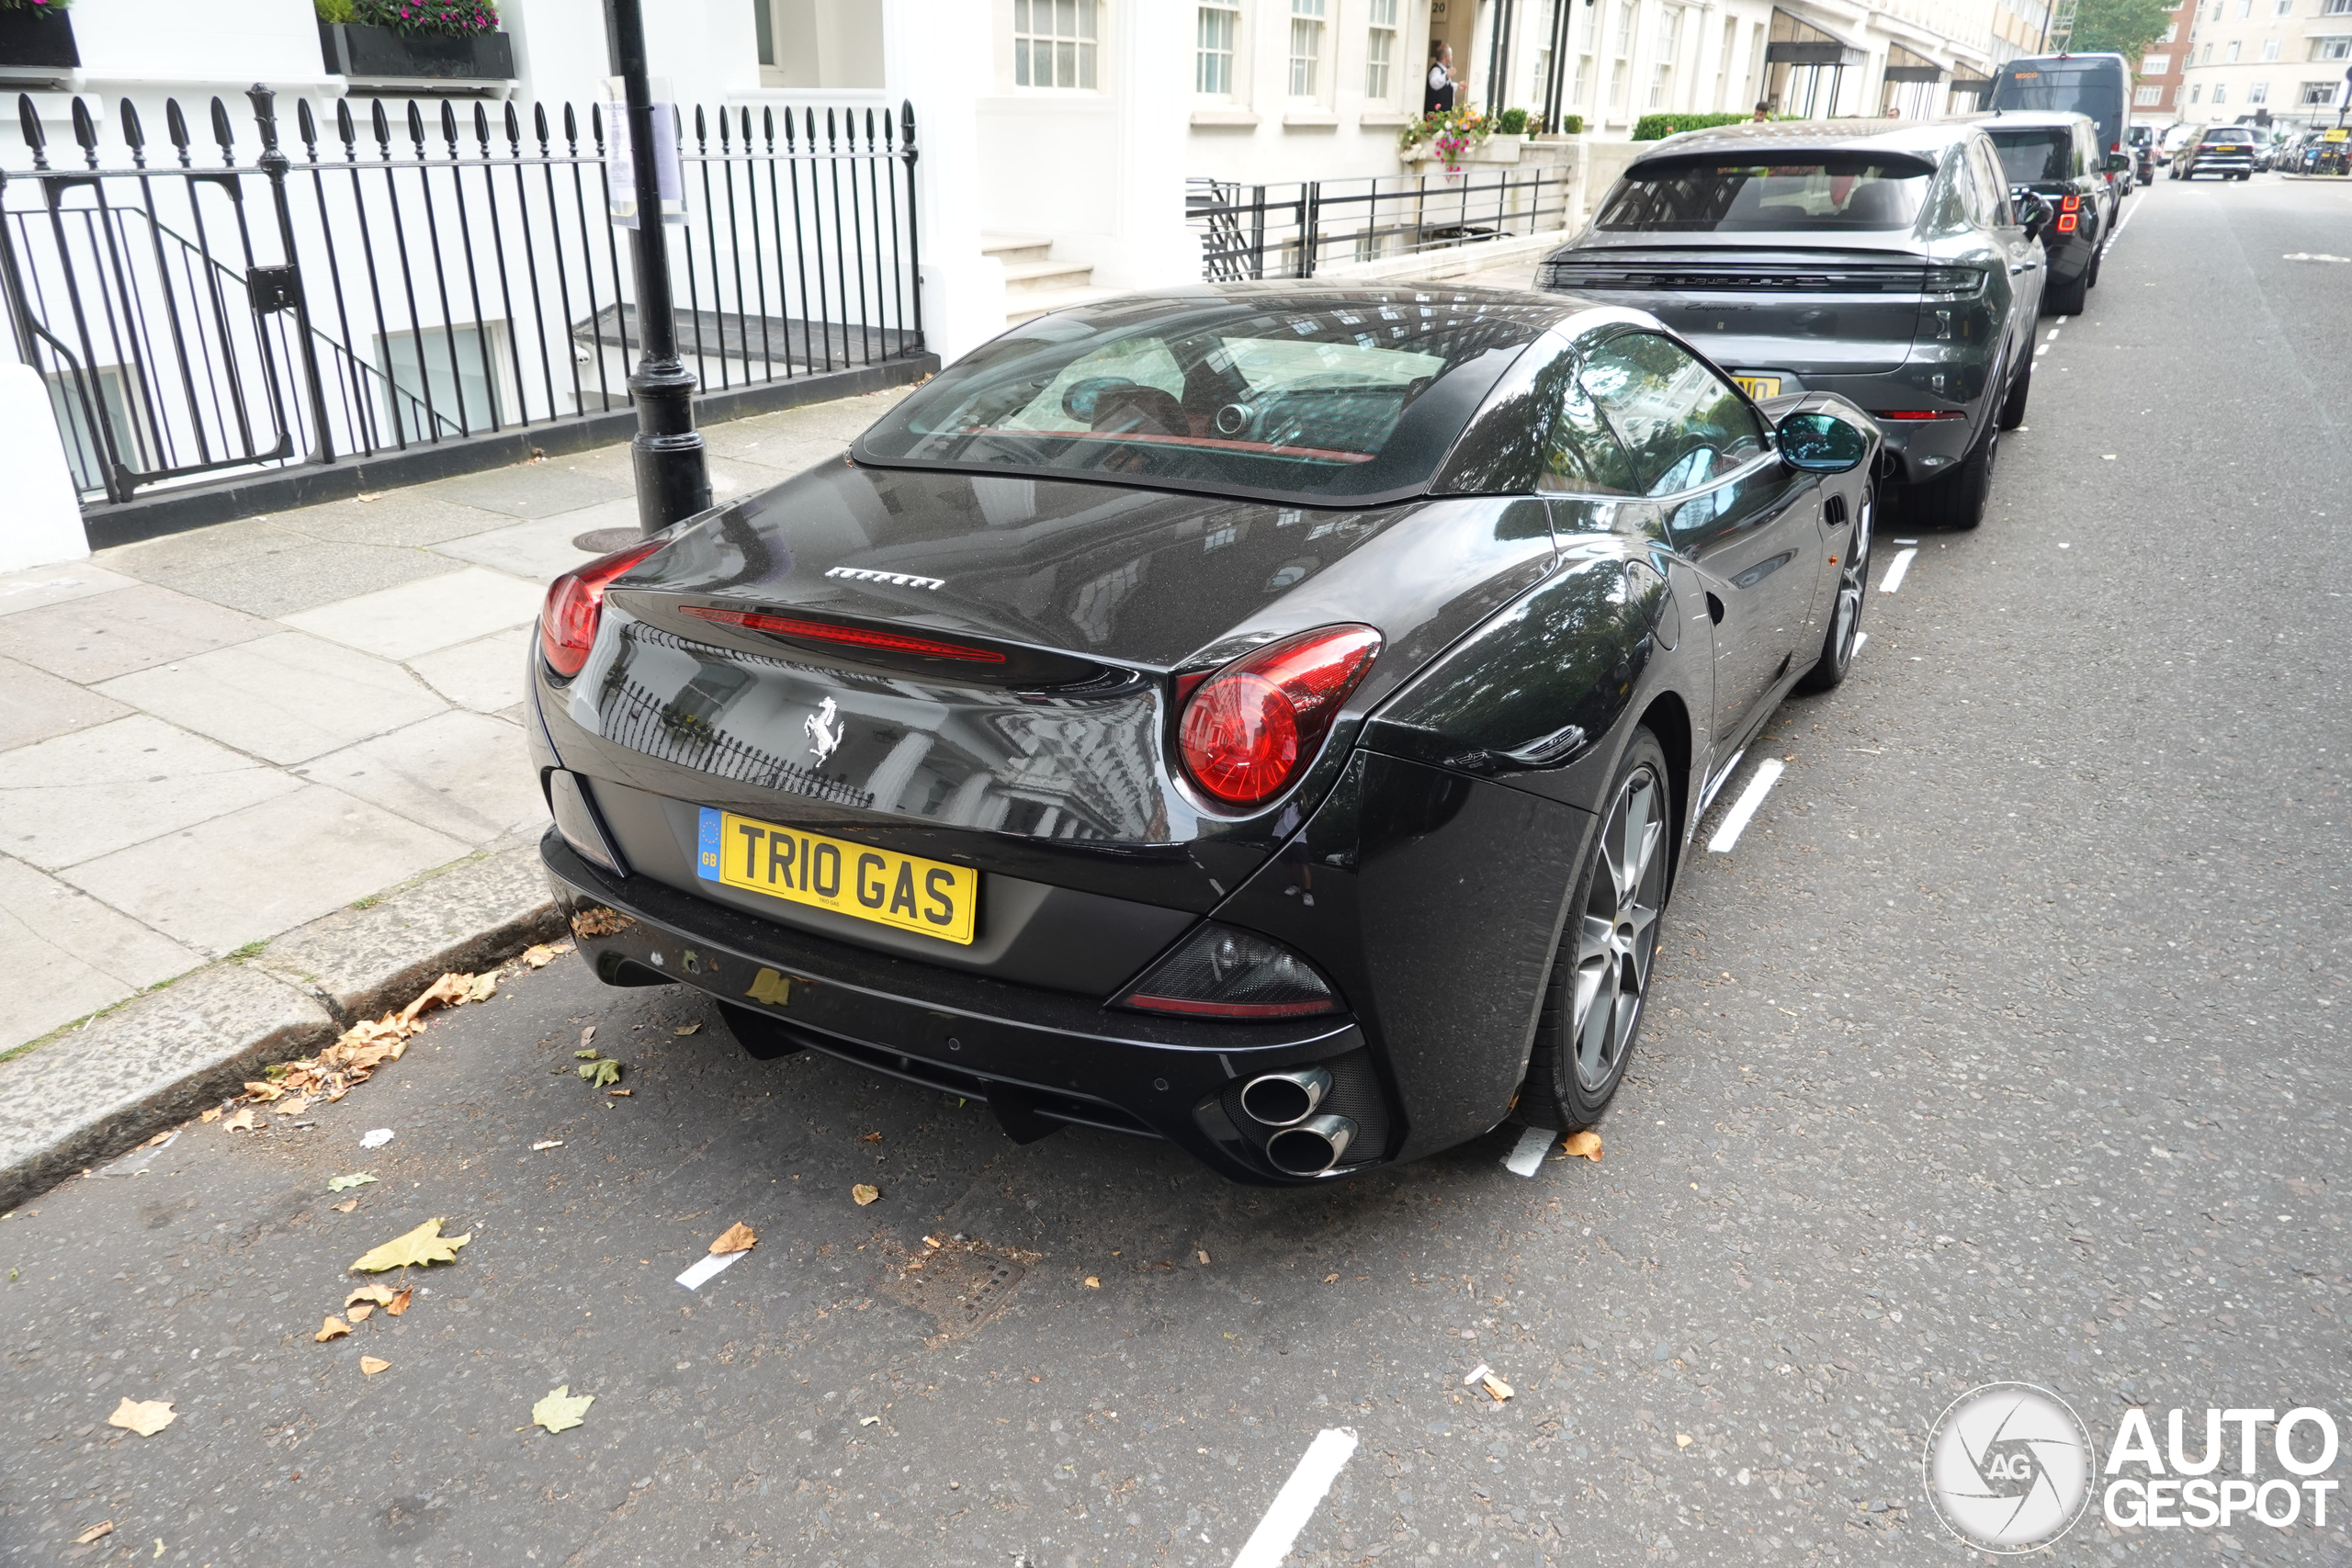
[1889, 265]
[1266, 717]
[2056, 157]
[2099, 86]
[2147, 153]
[2224, 150]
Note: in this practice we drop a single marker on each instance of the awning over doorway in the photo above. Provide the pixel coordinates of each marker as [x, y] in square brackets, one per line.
[1797, 39]
[1902, 65]
[1965, 80]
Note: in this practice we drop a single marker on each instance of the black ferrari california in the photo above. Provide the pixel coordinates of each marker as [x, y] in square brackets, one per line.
[1266, 717]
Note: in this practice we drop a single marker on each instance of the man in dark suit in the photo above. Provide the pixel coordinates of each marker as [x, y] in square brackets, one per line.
[1437, 96]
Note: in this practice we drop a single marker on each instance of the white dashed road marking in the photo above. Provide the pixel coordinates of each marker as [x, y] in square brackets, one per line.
[1298, 1499]
[1736, 820]
[1526, 1157]
[709, 1267]
[1894, 578]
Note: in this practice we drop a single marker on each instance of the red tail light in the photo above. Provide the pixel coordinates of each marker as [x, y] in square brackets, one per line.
[854, 637]
[1920, 413]
[1247, 729]
[575, 604]
[2070, 203]
[2069, 222]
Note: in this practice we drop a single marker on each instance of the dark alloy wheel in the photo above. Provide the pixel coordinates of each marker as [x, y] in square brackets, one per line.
[1846, 617]
[1600, 977]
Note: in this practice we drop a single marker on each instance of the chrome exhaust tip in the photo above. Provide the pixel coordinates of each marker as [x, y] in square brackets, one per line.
[1312, 1147]
[1284, 1100]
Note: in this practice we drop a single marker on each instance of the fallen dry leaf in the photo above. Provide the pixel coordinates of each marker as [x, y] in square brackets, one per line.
[453, 989]
[737, 1237]
[398, 1303]
[863, 1194]
[345, 1183]
[358, 1313]
[620, 1093]
[540, 955]
[211, 1116]
[294, 1107]
[332, 1329]
[145, 1416]
[586, 1035]
[687, 1029]
[871, 1138]
[244, 1122]
[558, 1412]
[1201, 1253]
[345, 1206]
[1681, 1440]
[264, 1092]
[1581, 1145]
[1330, 1278]
[484, 988]
[1092, 1283]
[96, 1532]
[599, 1073]
[369, 495]
[424, 1245]
[370, 1366]
[869, 1420]
[1497, 1388]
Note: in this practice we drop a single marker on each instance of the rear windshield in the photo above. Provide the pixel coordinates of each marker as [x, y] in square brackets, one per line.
[2097, 90]
[2214, 138]
[1738, 197]
[2030, 155]
[1310, 396]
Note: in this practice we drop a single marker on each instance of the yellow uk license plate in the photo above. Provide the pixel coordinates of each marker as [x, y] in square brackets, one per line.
[857, 879]
[1759, 385]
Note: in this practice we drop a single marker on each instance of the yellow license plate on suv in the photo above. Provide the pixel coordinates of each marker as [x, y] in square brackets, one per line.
[857, 879]
[1759, 385]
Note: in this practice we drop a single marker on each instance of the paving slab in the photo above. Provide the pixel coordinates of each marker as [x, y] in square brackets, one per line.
[85, 955]
[530, 489]
[35, 705]
[464, 774]
[244, 877]
[486, 674]
[22, 591]
[297, 574]
[404, 516]
[158, 1060]
[99, 790]
[286, 698]
[475, 913]
[541, 550]
[400, 623]
[113, 634]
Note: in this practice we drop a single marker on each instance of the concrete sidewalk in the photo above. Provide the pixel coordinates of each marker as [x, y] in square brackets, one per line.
[211, 739]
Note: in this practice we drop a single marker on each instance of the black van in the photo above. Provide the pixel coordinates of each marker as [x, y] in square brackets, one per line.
[2097, 85]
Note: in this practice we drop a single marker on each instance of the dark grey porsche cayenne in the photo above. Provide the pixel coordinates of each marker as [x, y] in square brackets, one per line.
[1267, 718]
[1891, 266]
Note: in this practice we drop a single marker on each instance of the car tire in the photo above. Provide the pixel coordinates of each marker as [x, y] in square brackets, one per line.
[1829, 672]
[2066, 299]
[1957, 499]
[1608, 943]
[761, 1037]
[2013, 406]
[2090, 278]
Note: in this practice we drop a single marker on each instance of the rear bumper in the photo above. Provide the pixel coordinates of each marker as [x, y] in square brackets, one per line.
[1036, 1055]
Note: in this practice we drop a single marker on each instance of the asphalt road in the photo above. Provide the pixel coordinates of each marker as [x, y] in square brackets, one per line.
[2006, 1044]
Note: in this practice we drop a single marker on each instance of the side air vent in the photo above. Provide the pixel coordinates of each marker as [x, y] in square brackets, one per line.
[1833, 512]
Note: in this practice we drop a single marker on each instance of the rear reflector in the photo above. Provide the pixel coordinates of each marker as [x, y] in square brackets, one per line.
[851, 637]
[1219, 972]
[1920, 413]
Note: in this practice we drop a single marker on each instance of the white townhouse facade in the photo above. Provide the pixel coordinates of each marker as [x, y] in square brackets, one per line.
[2279, 59]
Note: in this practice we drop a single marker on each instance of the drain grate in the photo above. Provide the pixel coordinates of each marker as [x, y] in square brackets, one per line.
[960, 1291]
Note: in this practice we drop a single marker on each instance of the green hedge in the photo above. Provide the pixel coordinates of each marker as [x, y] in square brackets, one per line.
[1659, 126]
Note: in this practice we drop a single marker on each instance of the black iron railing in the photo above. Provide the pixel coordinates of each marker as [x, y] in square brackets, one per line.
[1297, 230]
[396, 277]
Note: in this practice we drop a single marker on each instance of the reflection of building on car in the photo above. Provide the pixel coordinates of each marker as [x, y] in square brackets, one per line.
[2056, 157]
[1889, 265]
[1266, 717]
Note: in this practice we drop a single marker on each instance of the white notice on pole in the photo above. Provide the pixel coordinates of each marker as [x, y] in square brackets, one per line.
[620, 163]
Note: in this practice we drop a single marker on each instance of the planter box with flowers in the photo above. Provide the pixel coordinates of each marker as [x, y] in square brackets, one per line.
[410, 40]
[36, 39]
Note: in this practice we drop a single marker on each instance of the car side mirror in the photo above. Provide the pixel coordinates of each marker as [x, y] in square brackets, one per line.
[2031, 211]
[2118, 162]
[1821, 443]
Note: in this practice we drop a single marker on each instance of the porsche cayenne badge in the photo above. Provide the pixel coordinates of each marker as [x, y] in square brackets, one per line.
[824, 729]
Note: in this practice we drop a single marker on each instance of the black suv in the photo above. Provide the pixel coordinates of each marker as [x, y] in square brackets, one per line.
[1890, 267]
[2224, 150]
[2056, 157]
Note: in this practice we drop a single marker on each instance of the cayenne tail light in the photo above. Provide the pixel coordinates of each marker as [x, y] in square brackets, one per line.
[1222, 972]
[1247, 730]
[576, 603]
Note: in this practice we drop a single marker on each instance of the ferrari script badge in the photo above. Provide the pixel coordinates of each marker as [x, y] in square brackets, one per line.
[825, 729]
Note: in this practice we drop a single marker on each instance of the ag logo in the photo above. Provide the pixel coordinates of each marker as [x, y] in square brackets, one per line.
[2009, 1467]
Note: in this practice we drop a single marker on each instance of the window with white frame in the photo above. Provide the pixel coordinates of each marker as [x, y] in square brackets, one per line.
[1587, 30]
[1669, 41]
[1053, 43]
[1722, 64]
[2336, 7]
[2285, 8]
[2155, 64]
[2230, 56]
[2206, 56]
[818, 43]
[1213, 50]
[2259, 93]
[2196, 94]
[2331, 48]
[2246, 9]
[1306, 47]
[2221, 92]
[1620, 68]
[2148, 98]
[2171, 33]
[2270, 48]
[2318, 94]
[1380, 51]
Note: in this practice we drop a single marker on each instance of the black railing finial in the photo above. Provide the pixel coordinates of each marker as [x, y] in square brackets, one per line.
[416, 128]
[539, 125]
[29, 122]
[481, 127]
[381, 124]
[306, 126]
[346, 132]
[514, 130]
[175, 127]
[702, 131]
[223, 134]
[449, 128]
[767, 127]
[86, 132]
[907, 126]
[133, 135]
[571, 131]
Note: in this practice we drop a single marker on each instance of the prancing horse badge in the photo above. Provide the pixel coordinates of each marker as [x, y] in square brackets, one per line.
[824, 731]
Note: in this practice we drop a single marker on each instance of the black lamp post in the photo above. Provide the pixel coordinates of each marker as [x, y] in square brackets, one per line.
[672, 478]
